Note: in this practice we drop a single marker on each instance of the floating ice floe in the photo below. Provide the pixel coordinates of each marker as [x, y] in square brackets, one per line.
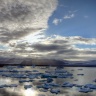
[11, 85]
[48, 76]
[43, 90]
[14, 71]
[49, 80]
[22, 81]
[56, 91]
[35, 71]
[18, 76]
[9, 67]
[67, 84]
[3, 70]
[32, 76]
[27, 86]
[79, 86]
[57, 75]
[39, 86]
[85, 90]
[46, 86]
[80, 74]
[91, 86]
[54, 84]
[20, 66]
[60, 71]
[43, 80]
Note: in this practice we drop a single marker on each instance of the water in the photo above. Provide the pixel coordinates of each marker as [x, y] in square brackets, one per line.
[77, 78]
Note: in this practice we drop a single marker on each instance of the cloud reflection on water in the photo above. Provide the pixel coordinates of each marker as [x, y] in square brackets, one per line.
[4, 92]
[89, 76]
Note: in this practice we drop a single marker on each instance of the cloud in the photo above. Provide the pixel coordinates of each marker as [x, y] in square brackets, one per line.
[81, 40]
[21, 19]
[26, 14]
[18, 18]
[7, 36]
[57, 21]
[58, 47]
[69, 16]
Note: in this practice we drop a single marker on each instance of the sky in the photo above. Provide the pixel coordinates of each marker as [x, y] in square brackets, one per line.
[51, 29]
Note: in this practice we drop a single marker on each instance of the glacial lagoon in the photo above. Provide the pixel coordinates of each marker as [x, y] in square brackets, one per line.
[47, 81]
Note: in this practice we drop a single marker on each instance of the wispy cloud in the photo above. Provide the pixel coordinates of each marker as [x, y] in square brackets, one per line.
[57, 21]
[69, 16]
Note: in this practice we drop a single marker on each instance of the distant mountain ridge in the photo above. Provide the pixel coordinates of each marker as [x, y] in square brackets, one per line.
[30, 61]
[46, 62]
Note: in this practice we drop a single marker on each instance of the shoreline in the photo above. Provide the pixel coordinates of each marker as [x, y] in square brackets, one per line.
[55, 65]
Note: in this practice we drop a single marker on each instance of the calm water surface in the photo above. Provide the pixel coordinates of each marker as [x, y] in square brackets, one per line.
[88, 77]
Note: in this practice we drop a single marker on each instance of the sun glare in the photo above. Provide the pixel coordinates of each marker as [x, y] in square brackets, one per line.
[30, 92]
[33, 38]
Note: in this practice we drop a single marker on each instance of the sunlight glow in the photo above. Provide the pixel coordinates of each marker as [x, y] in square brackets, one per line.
[36, 37]
[30, 92]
